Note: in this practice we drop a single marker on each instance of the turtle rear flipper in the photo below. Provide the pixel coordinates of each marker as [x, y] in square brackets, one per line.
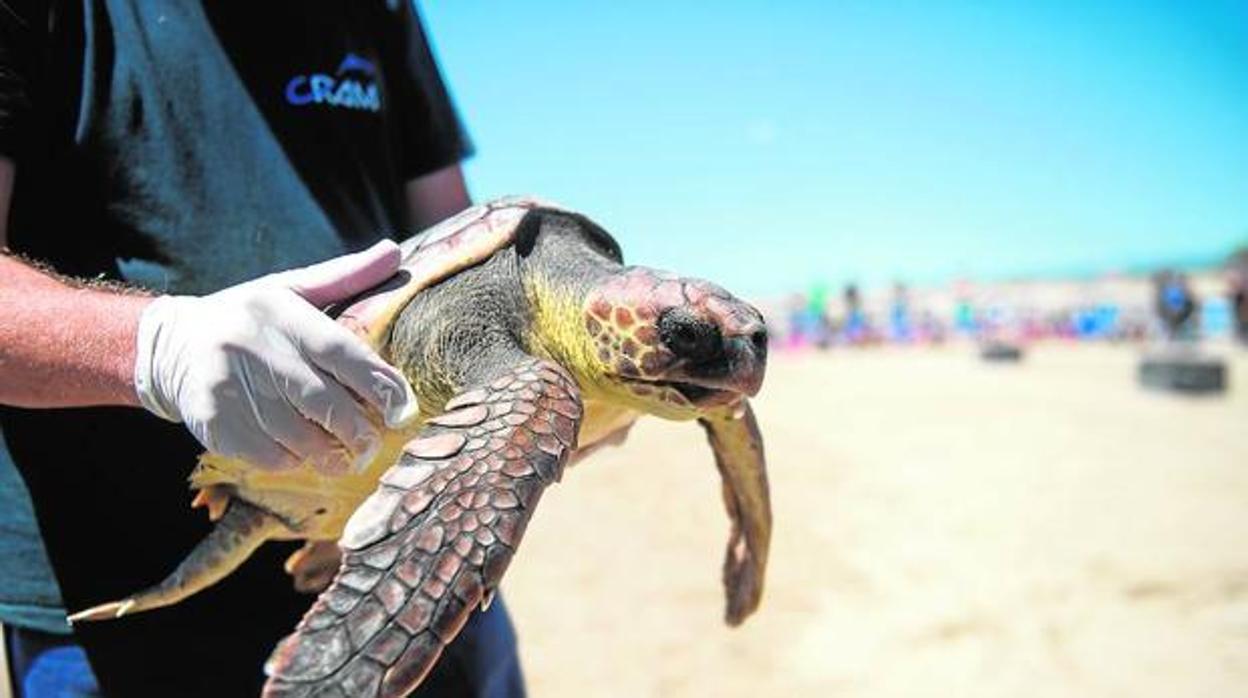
[432, 542]
[313, 566]
[242, 529]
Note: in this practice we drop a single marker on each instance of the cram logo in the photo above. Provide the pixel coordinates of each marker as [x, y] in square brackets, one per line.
[352, 86]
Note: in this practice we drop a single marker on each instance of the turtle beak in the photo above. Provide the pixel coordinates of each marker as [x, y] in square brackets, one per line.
[746, 351]
[744, 345]
[720, 347]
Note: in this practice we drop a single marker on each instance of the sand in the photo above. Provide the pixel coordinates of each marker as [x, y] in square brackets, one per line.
[944, 527]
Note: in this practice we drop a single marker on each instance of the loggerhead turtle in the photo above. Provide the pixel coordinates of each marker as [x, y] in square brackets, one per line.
[528, 343]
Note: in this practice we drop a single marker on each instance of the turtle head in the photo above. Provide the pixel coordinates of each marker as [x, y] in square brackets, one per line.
[674, 347]
[670, 346]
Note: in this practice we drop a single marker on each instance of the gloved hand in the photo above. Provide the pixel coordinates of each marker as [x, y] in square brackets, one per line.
[257, 372]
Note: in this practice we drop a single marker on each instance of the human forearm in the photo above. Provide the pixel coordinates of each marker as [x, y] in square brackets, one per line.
[255, 371]
[64, 345]
[436, 196]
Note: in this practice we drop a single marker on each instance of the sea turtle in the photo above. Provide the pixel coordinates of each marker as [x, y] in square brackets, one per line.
[528, 343]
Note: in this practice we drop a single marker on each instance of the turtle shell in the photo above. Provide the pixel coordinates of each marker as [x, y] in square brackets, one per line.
[462, 241]
[459, 242]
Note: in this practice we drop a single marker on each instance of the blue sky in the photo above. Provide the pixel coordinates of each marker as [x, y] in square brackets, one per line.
[772, 145]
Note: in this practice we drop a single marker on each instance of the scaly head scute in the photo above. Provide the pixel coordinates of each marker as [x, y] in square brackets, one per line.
[673, 346]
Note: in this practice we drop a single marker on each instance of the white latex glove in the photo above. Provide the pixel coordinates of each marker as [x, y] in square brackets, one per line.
[258, 372]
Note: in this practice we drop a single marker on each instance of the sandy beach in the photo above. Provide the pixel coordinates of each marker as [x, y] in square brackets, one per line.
[943, 527]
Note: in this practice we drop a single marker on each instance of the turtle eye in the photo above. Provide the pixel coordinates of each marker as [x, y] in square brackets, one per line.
[689, 336]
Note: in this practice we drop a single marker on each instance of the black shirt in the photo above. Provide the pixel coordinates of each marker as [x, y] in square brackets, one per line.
[187, 147]
[201, 146]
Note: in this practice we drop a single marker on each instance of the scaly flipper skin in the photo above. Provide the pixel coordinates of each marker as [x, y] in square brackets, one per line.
[738, 445]
[432, 542]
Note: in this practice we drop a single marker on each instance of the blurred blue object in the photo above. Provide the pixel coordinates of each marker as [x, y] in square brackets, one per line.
[1215, 317]
[899, 323]
[44, 665]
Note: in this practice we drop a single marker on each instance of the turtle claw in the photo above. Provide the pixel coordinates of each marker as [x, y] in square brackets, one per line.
[105, 611]
[213, 497]
[487, 599]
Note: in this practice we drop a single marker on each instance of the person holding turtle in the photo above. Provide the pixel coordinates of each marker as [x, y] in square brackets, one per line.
[159, 163]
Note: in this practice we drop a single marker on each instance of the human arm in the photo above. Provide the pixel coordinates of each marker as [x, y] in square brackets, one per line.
[436, 196]
[431, 141]
[255, 371]
[62, 344]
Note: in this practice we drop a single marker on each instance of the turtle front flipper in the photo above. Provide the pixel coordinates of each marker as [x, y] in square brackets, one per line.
[432, 542]
[242, 528]
[738, 445]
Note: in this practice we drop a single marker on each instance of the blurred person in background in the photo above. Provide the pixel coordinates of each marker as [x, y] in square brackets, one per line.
[931, 328]
[817, 316]
[174, 150]
[1176, 305]
[1239, 308]
[900, 325]
[855, 328]
[795, 312]
[964, 319]
[1239, 294]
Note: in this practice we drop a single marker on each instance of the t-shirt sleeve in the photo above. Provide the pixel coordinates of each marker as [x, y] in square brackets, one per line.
[19, 27]
[429, 130]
